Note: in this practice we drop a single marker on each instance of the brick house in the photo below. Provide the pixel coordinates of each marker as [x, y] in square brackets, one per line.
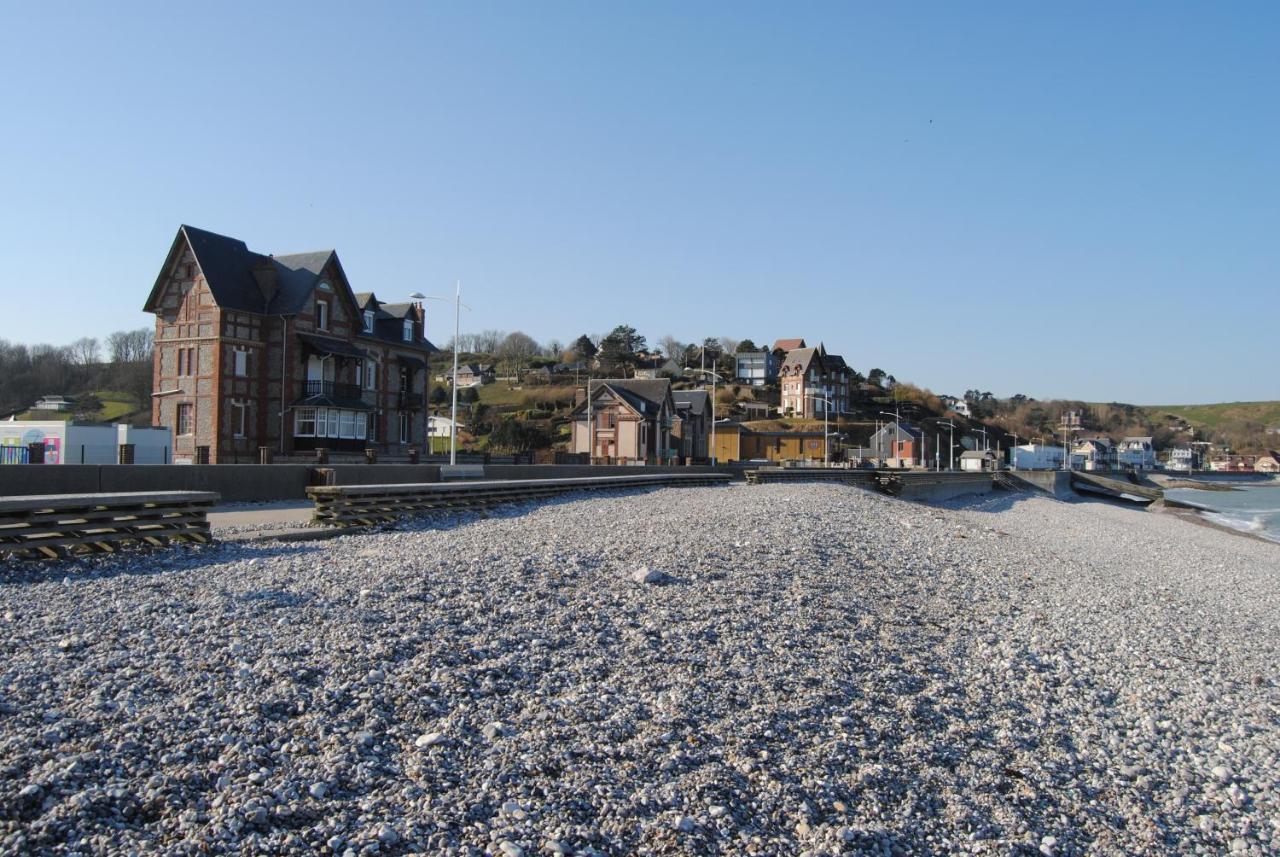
[809, 372]
[254, 350]
[625, 422]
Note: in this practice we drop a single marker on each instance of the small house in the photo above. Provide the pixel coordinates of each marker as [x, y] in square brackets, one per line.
[977, 460]
[60, 404]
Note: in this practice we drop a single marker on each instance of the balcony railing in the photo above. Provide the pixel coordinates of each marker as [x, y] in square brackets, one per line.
[331, 389]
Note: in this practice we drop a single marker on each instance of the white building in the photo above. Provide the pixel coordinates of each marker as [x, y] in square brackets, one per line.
[1036, 456]
[978, 459]
[1138, 453]
[77, 443]
[1183, 459]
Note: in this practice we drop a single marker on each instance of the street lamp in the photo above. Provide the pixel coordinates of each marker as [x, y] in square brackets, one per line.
[714, 377]
[826, 457]
[453, 414]
[951, 449]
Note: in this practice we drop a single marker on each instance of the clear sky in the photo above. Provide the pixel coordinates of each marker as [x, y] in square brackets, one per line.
[1076, 200]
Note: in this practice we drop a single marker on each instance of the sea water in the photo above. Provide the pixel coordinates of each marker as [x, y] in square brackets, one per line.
[1251, 508]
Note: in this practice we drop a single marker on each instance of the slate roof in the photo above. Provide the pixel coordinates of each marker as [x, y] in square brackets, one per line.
[694, 401]
[228, 266]
[798, 359]
[634, 392]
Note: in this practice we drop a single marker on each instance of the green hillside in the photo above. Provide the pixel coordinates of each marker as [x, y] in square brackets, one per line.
[106, 406]
[1266, 414]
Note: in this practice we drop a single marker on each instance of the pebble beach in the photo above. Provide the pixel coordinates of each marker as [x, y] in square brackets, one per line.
[775, 669]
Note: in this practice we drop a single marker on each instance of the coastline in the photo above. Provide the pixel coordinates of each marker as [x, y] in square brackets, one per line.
[1200, 517]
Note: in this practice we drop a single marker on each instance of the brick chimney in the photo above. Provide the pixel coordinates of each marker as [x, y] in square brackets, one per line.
[264, 272]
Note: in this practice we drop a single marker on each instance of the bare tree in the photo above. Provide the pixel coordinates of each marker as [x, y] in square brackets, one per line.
[131, 346]
[729, 344]
[516, 349]
[487, 341]
[85, 351]
[672, 347]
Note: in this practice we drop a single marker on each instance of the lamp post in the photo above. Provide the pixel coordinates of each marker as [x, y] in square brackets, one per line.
[453, 413]
[714, 377]
[826, 409]
[951, 449]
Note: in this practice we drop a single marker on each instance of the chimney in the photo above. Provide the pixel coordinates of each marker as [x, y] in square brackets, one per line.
[264, 272]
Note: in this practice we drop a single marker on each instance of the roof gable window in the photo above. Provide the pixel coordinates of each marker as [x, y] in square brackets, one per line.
[368, 321]
[324, 286]
[408, 330]
[322, 315]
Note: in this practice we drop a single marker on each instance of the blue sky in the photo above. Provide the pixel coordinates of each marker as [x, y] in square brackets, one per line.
[1078, 201]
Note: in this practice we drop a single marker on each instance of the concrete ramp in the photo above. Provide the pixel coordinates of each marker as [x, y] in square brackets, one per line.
[1056, 483]
[1119, 489]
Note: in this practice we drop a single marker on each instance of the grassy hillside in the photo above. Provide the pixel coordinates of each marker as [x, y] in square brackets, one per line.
[114, 406]
[1214, 417]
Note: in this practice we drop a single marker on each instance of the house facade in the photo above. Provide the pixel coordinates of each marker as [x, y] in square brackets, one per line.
[1094, 453]
[899, 444]
[814, 383]
[756, 368]
[255, 350]
[692, 424]
[625, 422]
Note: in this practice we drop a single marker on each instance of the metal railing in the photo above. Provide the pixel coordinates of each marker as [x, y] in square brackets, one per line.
[332, 389]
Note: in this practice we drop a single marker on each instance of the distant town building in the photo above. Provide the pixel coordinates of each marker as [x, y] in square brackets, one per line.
[1231, 463]
[898, 444]
[978, 459]
[782, 347]
[475, 374]
[1093, 453]
[814, 383]
[1183, 459]
[658, 367]
[59, 404]
[1137, 453]
[625, 422]
[253, 350]
[756, 368]
[1268, 463]
[1036, 456]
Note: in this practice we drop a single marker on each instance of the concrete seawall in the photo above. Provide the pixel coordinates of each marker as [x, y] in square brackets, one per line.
[248, 483]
